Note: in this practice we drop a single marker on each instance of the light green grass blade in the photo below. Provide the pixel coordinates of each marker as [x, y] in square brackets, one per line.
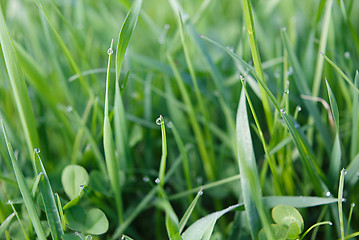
[171, 217]
[341, 73]
[111, 162]
[25, 193]
[251, 190]
[297, 201]
[189, 211]
[340, 202]
[322, 47]
[119, 112]
[161, 173]
[257, 60]
[202, 229]
[354, 146]
[47, 195]
[19, 88]
[335, 158]
[5, 224]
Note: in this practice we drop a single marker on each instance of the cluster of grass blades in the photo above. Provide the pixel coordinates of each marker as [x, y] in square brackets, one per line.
[180, 137]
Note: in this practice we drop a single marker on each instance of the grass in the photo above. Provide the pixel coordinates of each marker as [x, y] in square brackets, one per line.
[236, 85]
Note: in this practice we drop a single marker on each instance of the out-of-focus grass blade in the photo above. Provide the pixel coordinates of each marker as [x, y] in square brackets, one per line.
[353, 170]
[189, 211]
[322, 47]
[18, 87]
[302, 86]
[47, 195]
[251, 190]
[5, 224]
[171, 218]
[24, 190]
[340, 72]
[354, 147]
[66, 51]
[111, 162]
[335, 158]
[119, 112]
[297, 201]
[202, 229]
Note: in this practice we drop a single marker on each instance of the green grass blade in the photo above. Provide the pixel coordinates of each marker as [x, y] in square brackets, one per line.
[297, 201]
[5, 224]
[341, 73]
[161, 173]
[29, 202]
[340, 202]
[19, 88]
[354, 146]
[47, 195]
[322, 47]
[111, 162]
[251, 190]
[189, 211]
[119, 112]
[125, 34]
[257, 60]
[335, 159]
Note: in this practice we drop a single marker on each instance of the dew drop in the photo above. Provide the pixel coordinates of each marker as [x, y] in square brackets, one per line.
[290, 71]
[157, 180]
[145, 179]
[169, 125]
[286, 91]
[284, 29]
[37, 150]
[9, 202]
[327, 194]
[82, 187]
[158, 120]
[88, 237]
[283, 110]
[231, 49]
[344, 199]
[296, 125]
[69, 109]
[330, 223]
[353, 205]
[78, 234]
[299, 108]
[123, 237]
[347, 55]
[109, 51]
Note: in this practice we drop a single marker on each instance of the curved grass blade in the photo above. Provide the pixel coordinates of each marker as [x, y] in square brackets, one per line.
[202, 229]
[189, 211]
[354, 146]
[5, 224]
[19, 88]
[111, 162]
[251, 190]
[48, 198]
[24, 190]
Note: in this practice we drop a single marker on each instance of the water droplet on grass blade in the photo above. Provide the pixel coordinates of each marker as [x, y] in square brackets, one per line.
[286, 91]
[109, 51]
[353, 205]
[330, 223]
[145, 179]
[299, 108]
[159, 120]
[347, 55]
[69, 109]
[88, 237]
[283, 110]
[327, 194]
[37, 150]
[157, 180]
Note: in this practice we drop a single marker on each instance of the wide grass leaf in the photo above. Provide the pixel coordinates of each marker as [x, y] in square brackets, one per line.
[202, 229]
[5, 224]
